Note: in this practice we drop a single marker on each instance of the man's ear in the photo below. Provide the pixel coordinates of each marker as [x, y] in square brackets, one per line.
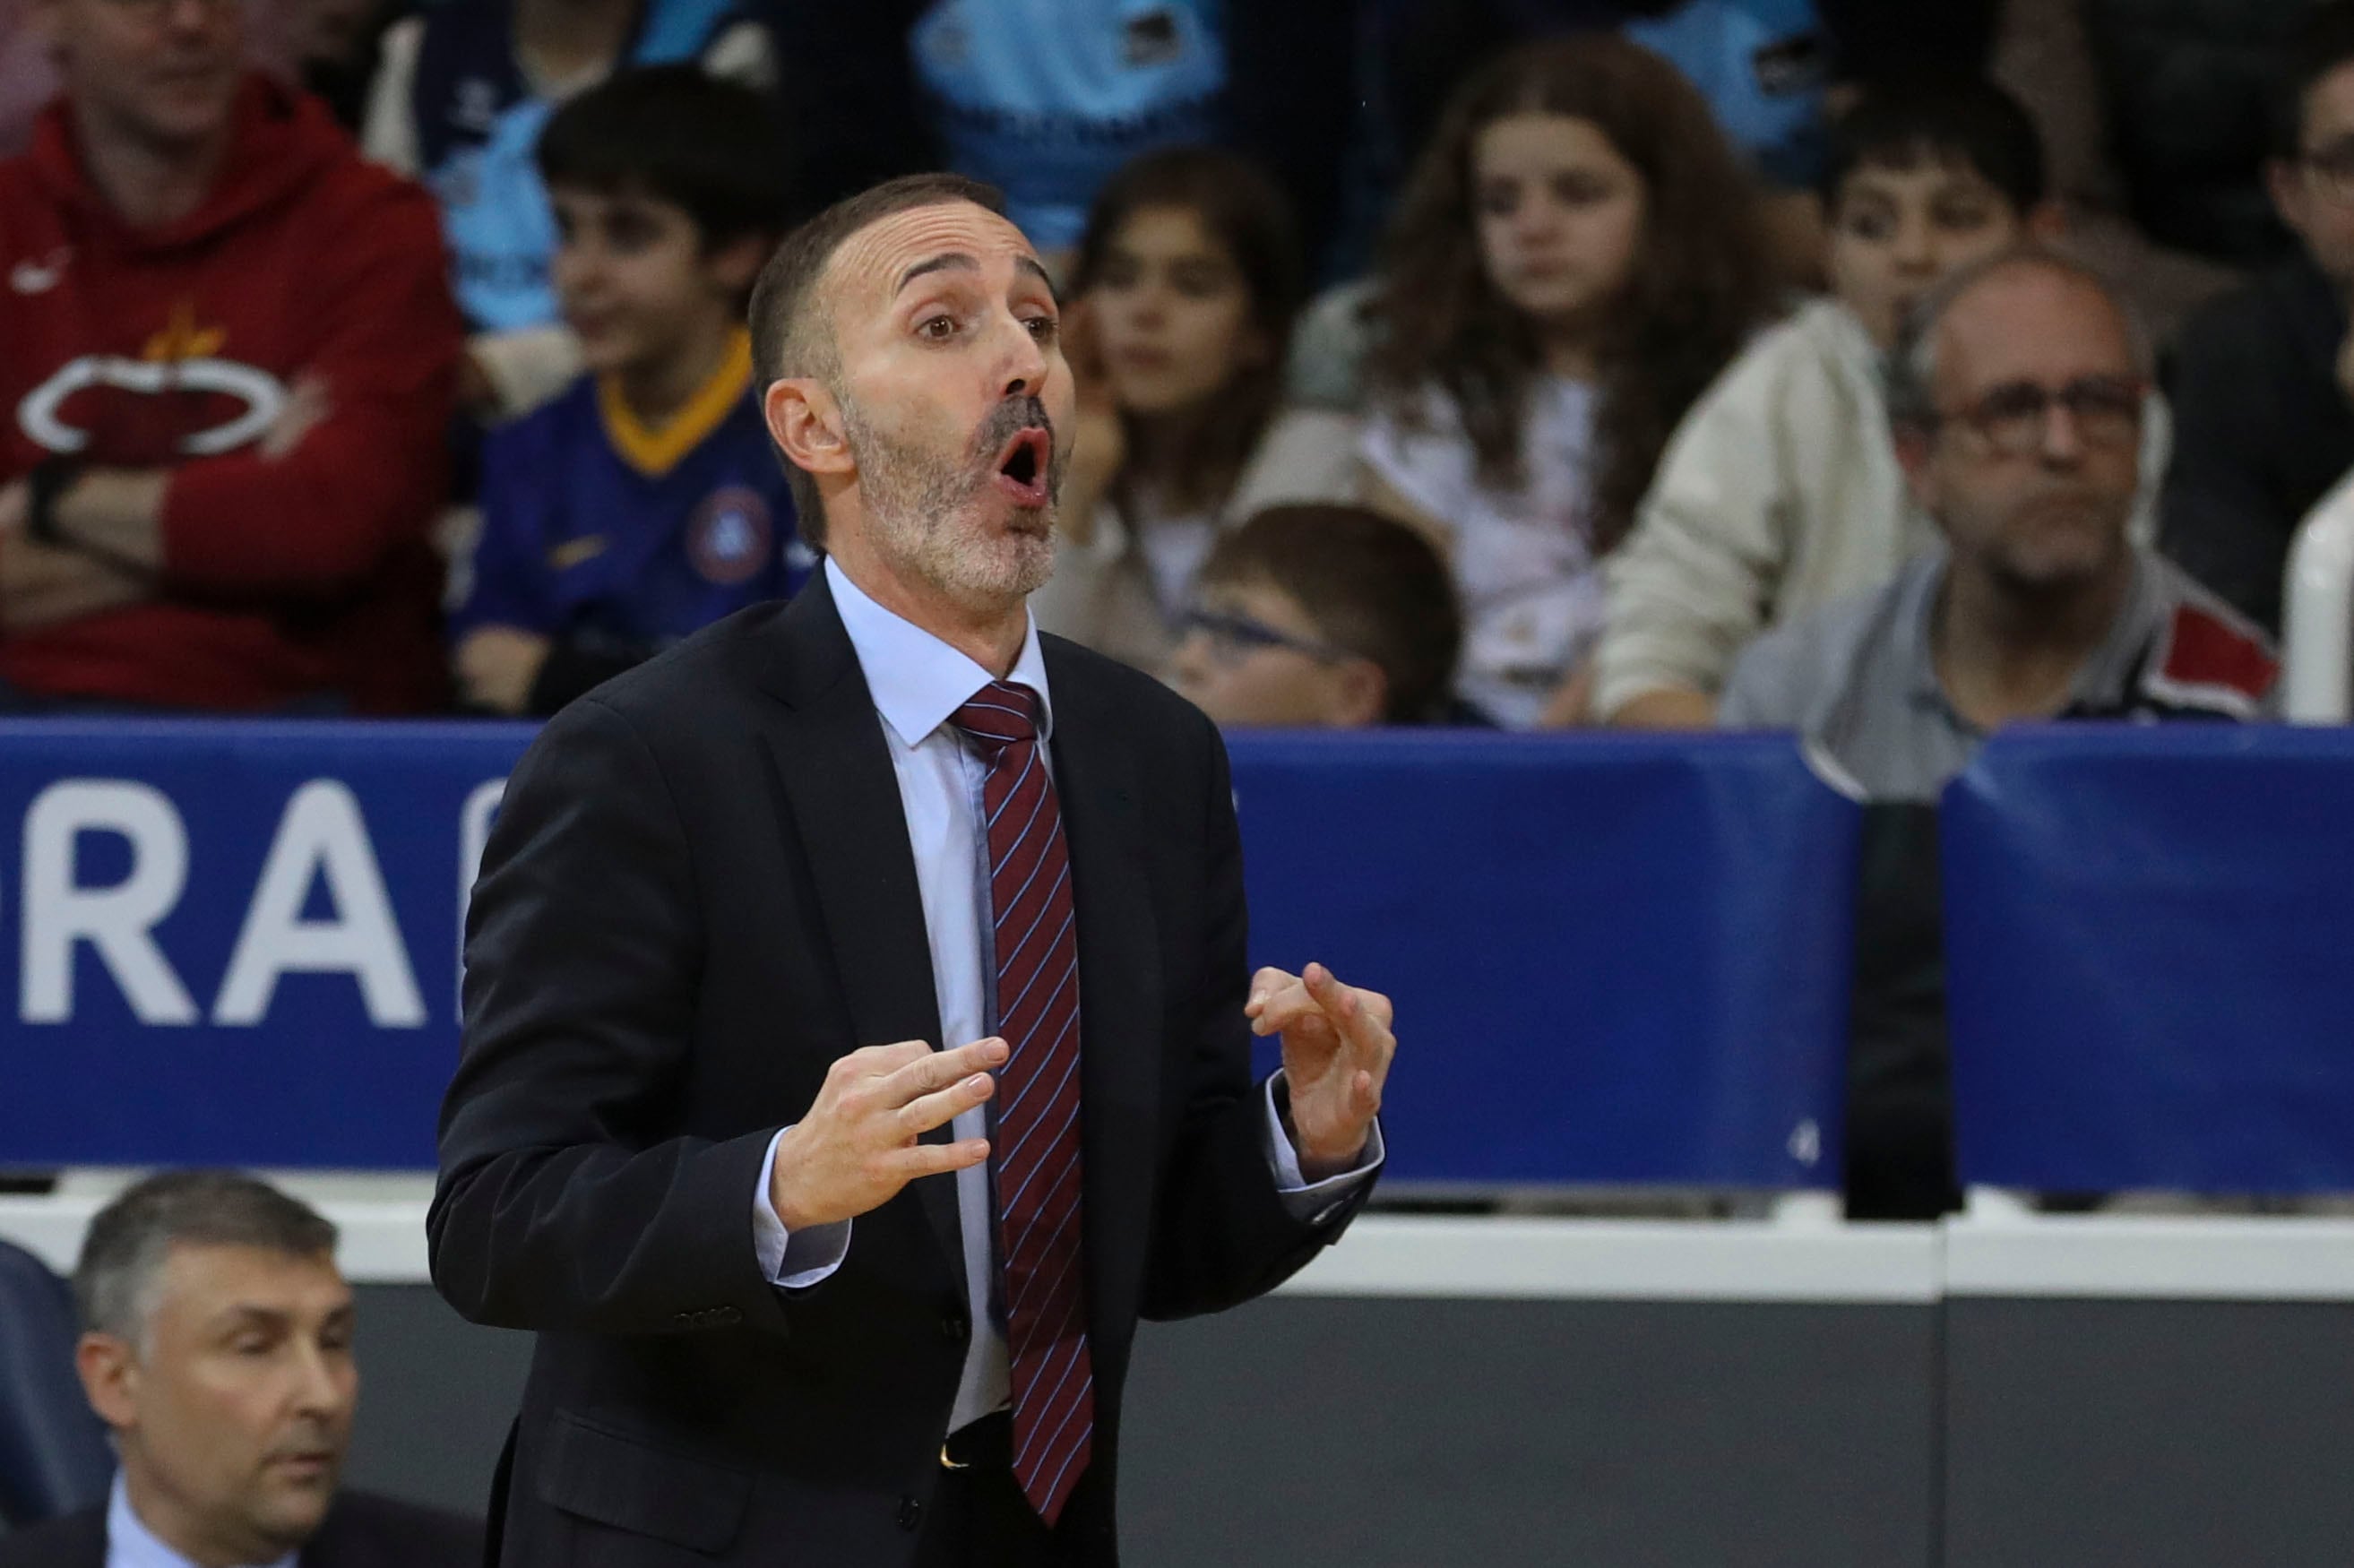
[805, 421]
[1361, 694]
[1914, 450]
[2285, 182]
[110, 1378]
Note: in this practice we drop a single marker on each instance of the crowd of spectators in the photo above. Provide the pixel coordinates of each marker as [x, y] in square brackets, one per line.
[1525, 364]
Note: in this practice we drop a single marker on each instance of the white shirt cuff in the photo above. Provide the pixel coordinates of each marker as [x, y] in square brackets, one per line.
[1312, 1203]
[794, 1259]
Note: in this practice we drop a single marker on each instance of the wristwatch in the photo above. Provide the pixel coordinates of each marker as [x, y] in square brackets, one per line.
[51, 478]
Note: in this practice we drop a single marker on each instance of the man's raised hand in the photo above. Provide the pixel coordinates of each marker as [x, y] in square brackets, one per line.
[857, 1146]
[1336, 1047]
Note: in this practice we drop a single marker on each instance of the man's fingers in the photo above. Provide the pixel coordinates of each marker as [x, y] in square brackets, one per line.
[1290, 1009]
[935, 1070]
[922, 1160]
[1368, 1033]
[882, 1061]
[1268, 984]
[920, 1115]
[1326, 988]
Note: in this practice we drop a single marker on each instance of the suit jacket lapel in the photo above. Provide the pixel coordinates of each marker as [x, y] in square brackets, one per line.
[835, 762]
[1119, 981]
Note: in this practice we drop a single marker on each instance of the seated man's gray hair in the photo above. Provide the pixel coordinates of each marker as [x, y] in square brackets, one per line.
[123, 1252]
[1913, 363]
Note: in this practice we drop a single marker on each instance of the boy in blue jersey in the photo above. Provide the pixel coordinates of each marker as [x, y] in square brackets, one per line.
[459, 104]
[645, 501]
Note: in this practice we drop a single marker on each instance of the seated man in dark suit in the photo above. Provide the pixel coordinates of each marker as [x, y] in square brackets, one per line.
[216, 1344]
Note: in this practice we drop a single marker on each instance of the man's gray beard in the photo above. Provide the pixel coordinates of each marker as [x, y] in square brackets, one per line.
[917, 508]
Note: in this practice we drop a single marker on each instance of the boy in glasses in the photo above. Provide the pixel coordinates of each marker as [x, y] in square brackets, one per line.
[2260, 377]
[1781, 493]
[2019, 395]
[1320, 617]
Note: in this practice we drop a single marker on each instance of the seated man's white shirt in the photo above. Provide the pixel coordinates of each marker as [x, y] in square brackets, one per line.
[131, 1544]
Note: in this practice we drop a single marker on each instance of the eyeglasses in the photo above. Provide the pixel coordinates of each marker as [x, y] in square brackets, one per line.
[2015, 418]
[1235, 637]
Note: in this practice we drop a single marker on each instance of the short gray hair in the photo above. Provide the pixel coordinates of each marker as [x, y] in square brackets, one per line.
[123, 1255]
[1912, 364]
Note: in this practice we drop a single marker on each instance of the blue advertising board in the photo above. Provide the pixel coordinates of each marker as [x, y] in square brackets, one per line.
[1615, 960]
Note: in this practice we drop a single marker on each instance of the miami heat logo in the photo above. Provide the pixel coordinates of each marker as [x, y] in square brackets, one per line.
[237, 402]
[729, 536]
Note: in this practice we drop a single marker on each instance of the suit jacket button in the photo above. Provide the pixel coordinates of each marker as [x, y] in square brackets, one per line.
[954, 1328]
[911, 1513]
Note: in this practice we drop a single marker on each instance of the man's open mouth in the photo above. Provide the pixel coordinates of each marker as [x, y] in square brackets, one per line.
[1022, 466]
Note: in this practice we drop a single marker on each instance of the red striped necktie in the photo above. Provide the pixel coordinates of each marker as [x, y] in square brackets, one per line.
[1038, 1100]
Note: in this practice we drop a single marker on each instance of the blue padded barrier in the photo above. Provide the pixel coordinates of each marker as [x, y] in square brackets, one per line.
[2150, 949]
[1617, 958]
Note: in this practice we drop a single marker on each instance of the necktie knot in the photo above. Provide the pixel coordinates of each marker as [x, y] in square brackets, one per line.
[998, 715]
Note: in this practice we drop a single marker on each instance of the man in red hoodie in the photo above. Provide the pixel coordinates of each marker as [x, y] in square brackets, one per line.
[229, 354]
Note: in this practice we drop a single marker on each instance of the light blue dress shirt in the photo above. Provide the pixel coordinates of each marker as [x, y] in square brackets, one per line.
[917, 682]
[131, 1544]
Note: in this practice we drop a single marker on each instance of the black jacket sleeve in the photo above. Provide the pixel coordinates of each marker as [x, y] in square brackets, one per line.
[557, 1208]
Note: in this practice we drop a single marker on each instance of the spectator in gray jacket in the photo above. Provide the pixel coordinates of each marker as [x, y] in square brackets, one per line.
[2018, 396]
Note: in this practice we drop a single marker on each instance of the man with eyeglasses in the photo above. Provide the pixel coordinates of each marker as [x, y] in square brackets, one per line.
[2263, 380]
[2018, 394]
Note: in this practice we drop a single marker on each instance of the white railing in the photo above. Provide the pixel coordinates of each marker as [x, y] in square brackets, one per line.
[2317, 614]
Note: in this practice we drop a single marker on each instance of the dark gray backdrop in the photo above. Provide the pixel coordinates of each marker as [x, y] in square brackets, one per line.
[1412, 1433]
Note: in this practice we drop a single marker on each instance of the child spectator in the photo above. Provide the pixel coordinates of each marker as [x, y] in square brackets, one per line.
[1574, 259]
[1187, 279]
[645, 501]
[2262, 377]
[227, 349]
[1781, 492]
[460, 101]
[1764, 66]
[1320, 617]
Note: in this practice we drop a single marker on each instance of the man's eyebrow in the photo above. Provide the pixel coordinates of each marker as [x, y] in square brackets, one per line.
[1036, 268]
[960, 261]
[244, 1315]
[945, 261]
